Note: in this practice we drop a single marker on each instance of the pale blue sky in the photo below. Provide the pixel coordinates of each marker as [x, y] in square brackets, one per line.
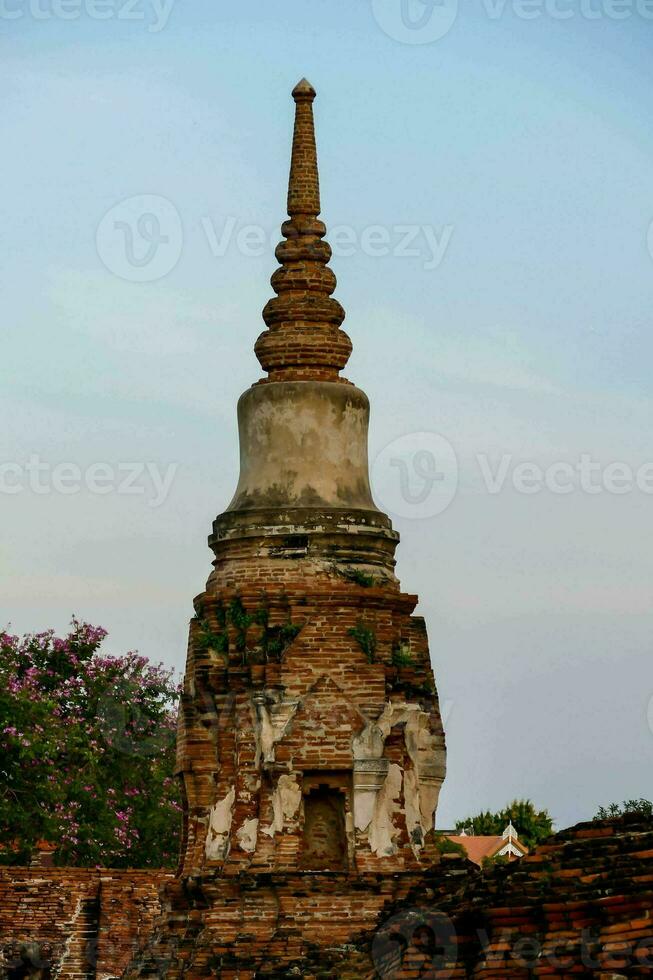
[530, 141]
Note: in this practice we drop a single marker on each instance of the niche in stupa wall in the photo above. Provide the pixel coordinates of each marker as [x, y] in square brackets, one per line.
[324, 837]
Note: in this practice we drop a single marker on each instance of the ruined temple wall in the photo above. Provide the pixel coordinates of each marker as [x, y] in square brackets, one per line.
[580, 905]
[88, 922]
[285, 925]
[252, 728]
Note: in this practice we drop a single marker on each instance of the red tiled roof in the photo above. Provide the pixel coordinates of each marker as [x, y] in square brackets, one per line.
[479, 848]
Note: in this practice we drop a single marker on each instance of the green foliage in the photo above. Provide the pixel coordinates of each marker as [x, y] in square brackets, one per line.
[241, 621]
[88, 747]
[221, 615]
[446, 846]
[271, 641]
[261, 616]
[359, 577]
[413, 691]
[642, 807]
[533, 826]
[401, 656]
[492, 862]
[277, 639]
[366, 639]
[207, 639]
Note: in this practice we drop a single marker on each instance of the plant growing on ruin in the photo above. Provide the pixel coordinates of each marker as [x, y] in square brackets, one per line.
[88, 747]
[366, 639]
[241, 621]
[401, 655]
[413, 691]
[278, 639]
[208, 639]
[359, 577]
[272, 641]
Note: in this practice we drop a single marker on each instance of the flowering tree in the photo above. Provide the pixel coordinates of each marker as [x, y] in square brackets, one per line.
[86, 752]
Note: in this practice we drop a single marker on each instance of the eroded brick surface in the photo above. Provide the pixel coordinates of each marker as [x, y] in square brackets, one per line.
[579, 906]
[86, 923]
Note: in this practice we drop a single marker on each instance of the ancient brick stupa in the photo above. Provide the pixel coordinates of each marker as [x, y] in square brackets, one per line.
[310, 746]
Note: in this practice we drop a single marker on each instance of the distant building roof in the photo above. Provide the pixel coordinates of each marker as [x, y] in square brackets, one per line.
[480, 848]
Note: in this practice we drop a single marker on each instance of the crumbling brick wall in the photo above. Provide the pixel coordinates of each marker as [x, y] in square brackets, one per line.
[86, 922]
[580, 905]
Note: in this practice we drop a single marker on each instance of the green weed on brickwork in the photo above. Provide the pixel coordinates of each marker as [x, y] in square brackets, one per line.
[356, 575]
[272, 641]
[366, 639]
[401, 656]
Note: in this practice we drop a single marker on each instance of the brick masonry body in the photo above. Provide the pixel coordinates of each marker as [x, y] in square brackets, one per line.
[310, 745]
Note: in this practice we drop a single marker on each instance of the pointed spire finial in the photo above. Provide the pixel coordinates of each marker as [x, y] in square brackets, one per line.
[303, 90]
[303, 340]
